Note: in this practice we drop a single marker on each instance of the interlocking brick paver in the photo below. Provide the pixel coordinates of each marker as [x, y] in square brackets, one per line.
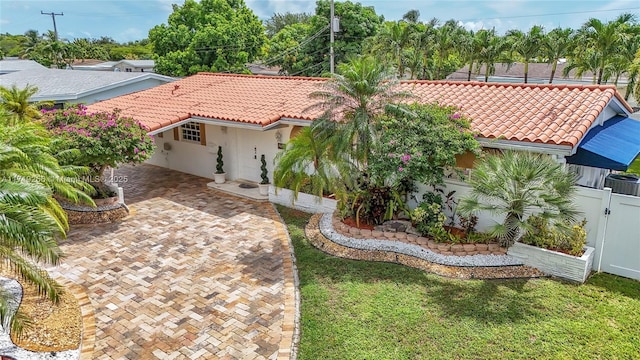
[191, 273]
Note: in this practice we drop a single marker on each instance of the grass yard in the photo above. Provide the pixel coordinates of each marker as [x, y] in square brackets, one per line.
[635, 167]
[366, 310]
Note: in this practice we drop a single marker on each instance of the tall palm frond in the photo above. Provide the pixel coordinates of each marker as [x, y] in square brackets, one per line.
[361, 91]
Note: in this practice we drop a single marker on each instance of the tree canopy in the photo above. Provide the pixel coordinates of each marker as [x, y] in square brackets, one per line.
[210, 35]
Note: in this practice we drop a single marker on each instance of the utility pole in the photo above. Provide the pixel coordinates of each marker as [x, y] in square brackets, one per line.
[331, 54]
[53, 16]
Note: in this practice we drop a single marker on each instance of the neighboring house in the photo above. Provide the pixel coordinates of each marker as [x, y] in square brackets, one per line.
[253, 115]
[116, 66]
[134, 66]
[13, 65]
[260, 69]
[539, 73]
[92, 64]
[65, 86]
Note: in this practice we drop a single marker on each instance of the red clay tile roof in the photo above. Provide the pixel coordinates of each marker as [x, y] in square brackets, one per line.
[242, 98]
[549, 114]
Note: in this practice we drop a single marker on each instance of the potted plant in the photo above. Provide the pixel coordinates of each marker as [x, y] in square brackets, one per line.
[264, 183]
[219, 175]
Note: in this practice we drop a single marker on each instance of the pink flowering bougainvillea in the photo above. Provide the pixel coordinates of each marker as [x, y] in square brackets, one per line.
[103, 139]
[419, 144]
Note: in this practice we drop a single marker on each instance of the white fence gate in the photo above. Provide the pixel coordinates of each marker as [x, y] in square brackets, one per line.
[619, 248]
[613, 227]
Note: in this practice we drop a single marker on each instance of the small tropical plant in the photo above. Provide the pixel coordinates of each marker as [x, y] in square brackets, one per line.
[516, 185]
[16, 102]
[263, 170]
[562, 236]
[310, 161]
[219, 162]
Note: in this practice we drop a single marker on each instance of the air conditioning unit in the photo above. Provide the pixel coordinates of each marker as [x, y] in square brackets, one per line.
[627, 184]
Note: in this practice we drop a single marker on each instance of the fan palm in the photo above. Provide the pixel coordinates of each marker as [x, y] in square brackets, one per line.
[31, 220]
[517, 184]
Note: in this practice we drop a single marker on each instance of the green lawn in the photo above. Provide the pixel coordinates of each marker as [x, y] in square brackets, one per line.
[365, 310]
[635, 167]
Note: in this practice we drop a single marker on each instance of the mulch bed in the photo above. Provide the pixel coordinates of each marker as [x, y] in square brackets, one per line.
[54, 327]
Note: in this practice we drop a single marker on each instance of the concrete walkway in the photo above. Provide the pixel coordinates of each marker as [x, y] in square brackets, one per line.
[191, 274]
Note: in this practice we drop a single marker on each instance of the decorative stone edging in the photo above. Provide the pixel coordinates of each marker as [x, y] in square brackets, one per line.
[320, 241]
[408, 238]
[97, 216]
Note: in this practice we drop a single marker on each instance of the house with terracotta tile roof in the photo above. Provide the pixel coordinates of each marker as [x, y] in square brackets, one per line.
[252, 115]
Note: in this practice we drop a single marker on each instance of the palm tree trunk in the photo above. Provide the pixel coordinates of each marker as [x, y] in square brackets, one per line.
[554, 67]
[486, 74]
[526, 72]
[470, 70]
[600, 71]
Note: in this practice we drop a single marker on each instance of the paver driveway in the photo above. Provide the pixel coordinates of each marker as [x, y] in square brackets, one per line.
[192, 273]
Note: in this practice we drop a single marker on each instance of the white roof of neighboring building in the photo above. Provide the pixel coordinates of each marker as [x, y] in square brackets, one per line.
[54, 84]
[13, 65]
[138, 63]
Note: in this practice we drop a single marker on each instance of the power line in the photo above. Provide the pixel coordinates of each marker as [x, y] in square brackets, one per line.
[552, 14]
[53, 16]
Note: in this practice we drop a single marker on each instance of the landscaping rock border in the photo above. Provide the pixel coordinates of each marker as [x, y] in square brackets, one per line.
[412, 238]
[467, 267]
[78, 214]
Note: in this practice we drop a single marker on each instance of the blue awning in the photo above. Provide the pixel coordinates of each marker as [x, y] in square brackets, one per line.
[612, 146]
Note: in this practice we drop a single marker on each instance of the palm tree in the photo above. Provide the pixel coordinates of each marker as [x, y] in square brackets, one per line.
[309, 158]
[392, 40]
[469, 48]
[16, 102]
[634, 78]
[556, 46]
[411, 16]
[446, 37]
[528, 45]
[356, 96]
[606, 39]
[588, 61]
[517, 184]
[491, 51]
[31, 220]
[424, 42]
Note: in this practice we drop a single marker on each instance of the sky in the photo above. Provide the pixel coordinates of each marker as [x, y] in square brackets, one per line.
[128, 20]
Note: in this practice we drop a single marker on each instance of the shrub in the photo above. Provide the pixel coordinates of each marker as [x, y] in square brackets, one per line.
[562, 236]
[104, 139]
[219, 162]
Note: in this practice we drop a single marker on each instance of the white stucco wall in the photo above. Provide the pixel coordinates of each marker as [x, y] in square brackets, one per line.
[241, 150]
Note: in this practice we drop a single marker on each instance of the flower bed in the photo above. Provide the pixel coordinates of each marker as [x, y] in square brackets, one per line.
[427, 243]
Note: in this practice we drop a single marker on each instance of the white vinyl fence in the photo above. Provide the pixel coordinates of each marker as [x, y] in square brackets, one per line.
[613, 226]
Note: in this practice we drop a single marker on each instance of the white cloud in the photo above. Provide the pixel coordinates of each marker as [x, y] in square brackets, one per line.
[131, 34]
[4, 21]
[264, 9]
